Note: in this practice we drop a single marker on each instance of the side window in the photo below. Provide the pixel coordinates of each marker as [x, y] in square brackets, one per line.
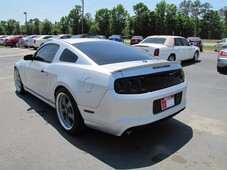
[68, 56]
[46, 53]
[177, 42]
[185, 42]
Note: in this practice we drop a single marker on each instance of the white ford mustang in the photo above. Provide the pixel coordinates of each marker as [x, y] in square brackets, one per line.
[102, 84]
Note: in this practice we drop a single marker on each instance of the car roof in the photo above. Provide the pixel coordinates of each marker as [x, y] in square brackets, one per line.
[80, 40]
[165, 36]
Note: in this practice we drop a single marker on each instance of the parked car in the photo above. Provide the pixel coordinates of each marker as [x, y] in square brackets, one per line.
[40, 40]
[102, 84]
[61, 36]
[172, 48]
[196, 41]
[2, 39]
[85, 36]
[102, 36]
[31, 41]
[220, 44]
[24, 42]
[136, 39]
[117, 38]
[222, 59]
[12, 40]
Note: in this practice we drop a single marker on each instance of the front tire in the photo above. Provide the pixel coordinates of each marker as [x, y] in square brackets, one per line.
[18, 83]
[196, 56]
[68, 112]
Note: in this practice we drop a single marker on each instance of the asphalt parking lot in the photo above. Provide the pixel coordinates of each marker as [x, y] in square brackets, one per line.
[31, 137]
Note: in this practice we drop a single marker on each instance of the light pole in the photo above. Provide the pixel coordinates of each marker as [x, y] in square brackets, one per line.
[25, 13]
[82, 16]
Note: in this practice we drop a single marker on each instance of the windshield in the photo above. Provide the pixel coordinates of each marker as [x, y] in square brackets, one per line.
[155, 40]
[108, 52]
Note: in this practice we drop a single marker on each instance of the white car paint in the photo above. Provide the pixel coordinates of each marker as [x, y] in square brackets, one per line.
[168, 48]
[92, 87]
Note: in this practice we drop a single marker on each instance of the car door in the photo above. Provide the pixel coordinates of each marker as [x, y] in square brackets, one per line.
[36, 71]
[180, 49]
[189, 49]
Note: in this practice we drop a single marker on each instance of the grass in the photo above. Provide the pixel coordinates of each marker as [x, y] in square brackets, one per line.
[208, 48]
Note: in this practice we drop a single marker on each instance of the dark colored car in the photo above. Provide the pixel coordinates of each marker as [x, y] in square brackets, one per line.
[136, 40]
[12, 40]
[196, 41]
[116, 38]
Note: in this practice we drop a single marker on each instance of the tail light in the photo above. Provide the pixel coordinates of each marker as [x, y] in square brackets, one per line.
[156, 52]
[148, 83]
[34, 40]
[131, 85]
[223, 54]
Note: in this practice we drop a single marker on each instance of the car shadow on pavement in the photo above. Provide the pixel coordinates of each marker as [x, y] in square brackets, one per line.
[189, 63]
[140, 149]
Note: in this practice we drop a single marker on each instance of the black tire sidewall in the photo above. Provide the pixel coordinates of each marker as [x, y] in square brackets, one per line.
[78, 123]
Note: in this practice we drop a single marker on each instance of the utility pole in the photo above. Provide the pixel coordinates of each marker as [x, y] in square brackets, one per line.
[82, 16]
[26, 26]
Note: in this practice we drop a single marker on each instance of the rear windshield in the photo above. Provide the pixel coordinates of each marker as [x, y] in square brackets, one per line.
[108, 52]
[155, 40]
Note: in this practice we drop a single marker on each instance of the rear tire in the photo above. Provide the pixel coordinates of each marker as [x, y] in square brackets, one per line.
[68, 113]
[171, 58]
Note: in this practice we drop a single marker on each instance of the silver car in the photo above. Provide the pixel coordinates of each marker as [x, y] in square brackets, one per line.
[40, 40]
[222, 60]
[220, 44]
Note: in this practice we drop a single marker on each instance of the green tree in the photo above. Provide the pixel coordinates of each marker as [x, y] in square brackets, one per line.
[2, 30]
[223, 14]
[118, 19]
[12, 26]
[171, 14]
[141, 20]
[64, 25]
[74, 19]
[211, 25]
[94, 29]
[102, 18]
[47, 27]
[36, 28]
[160, 12]
[87, 22]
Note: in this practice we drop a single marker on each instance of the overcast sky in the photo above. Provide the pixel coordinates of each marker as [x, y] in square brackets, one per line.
[53, 10]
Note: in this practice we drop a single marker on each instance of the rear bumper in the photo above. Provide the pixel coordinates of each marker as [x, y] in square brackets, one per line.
[222, 62]
[117, 113]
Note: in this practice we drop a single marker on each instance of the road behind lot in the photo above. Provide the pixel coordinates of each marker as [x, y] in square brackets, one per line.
[31, 137]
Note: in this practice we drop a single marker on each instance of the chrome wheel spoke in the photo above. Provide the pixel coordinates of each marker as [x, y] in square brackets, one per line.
[65, 111]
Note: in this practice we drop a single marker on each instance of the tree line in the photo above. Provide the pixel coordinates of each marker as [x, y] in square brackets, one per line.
[188, 19]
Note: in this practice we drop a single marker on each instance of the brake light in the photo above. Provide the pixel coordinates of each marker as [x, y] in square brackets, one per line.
[156, 52]
[34, 40]
[131, 85]
[223, 54]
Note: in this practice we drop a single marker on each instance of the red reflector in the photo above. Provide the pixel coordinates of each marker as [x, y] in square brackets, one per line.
[156, 52]
[223, 54]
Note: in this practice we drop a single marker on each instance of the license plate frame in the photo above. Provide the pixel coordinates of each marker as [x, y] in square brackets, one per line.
[167, 102]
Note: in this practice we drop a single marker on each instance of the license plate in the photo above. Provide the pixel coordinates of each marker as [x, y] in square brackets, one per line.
[167, 102]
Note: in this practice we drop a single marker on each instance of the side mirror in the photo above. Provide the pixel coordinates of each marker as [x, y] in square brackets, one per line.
[28, 57]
